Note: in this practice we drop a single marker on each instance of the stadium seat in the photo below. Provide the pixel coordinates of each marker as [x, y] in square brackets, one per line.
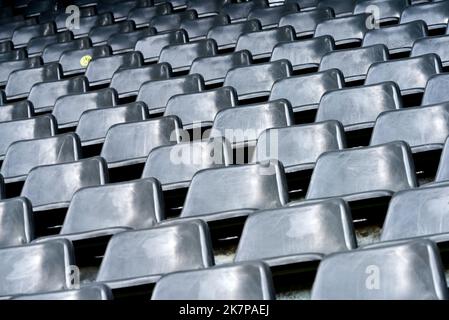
[341, 7]
[52, 186]
[239, 281]
[410, 74]
[124, 42]
[300, 233]
[185, 160]
[94, 124]
[181, 56]
[390, 10]
[443, 169]
[130, 143]
[6, 68]
[232, 190]
[44, 267]
[199, 109]
[7, 29]
[151, 46]
[423, 128]
[227, 35]
[437, 45]
[94, 212]
[127, 81]
[16, 222]
[20, 82]
[119, 9]
[407, 271]
[363, 173]
[142, 16]
[304, 22]
[171, 22]
[214, 69]
[242, 125]
[198, 28]
[88, 292]
[298, 147]
[101, 70]
[399, 38]
[239, 11]
[435, 14]
[72, 61]
[358, 108]
[69, 108]
[43, 95]
[22, 35]
[13, 55]
[33, 128]
[256, 80]
[305, 92]
[190, 248]
[54, 51]
[100, 35]
[269, 17]
[346, 31]
[354, 63]
[16, 111]
[206, 8]
[24, 155]
[37, 45]
[312, 51]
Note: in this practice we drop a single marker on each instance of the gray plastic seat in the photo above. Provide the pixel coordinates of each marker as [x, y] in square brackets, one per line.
[239, 11]
[89, 292]
[100, 35]
[312, 51]
[435, 14]
[124, 42]
[54, 51]
[423, 128]
[16, 222]
[443, 168]
[52, 186]
[142, 16]
[151, 46]
[186, 159]
[354, 63]
[6, 68]
[157, 93]
[20, 82]
[33, 128]
[181, 56]
[399, 38]
[94, 124]
[199, 109]
[243, 125]
[411, 74]
[127, 81]
[407, 271]
[17, 54]
[119, 9]
[170, 22]
[68, 109]
[6, 46]
[22, 156]
[238, 281]
[437, 45]
[130, 143]
[298, 147]
[37, 45]
[301, 233]
[345, 30]
[358, 108]
[88, 22]
[155, 251]
[305, 22]
[363, 173]
[227, 35]
[261, 43]
[22, 35]
[230, 192]
[7, 29]
[435, 91]
[305, 92]
[341, 8]
[43, 267]
[101, 70]
[418, 212]
[214, 69]
[256, 80]
[43, 95]
[390, 11]
[206, 8]
[100, 211]
[16, 111]
[71, 60]
[198, 28]
[269, 17]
